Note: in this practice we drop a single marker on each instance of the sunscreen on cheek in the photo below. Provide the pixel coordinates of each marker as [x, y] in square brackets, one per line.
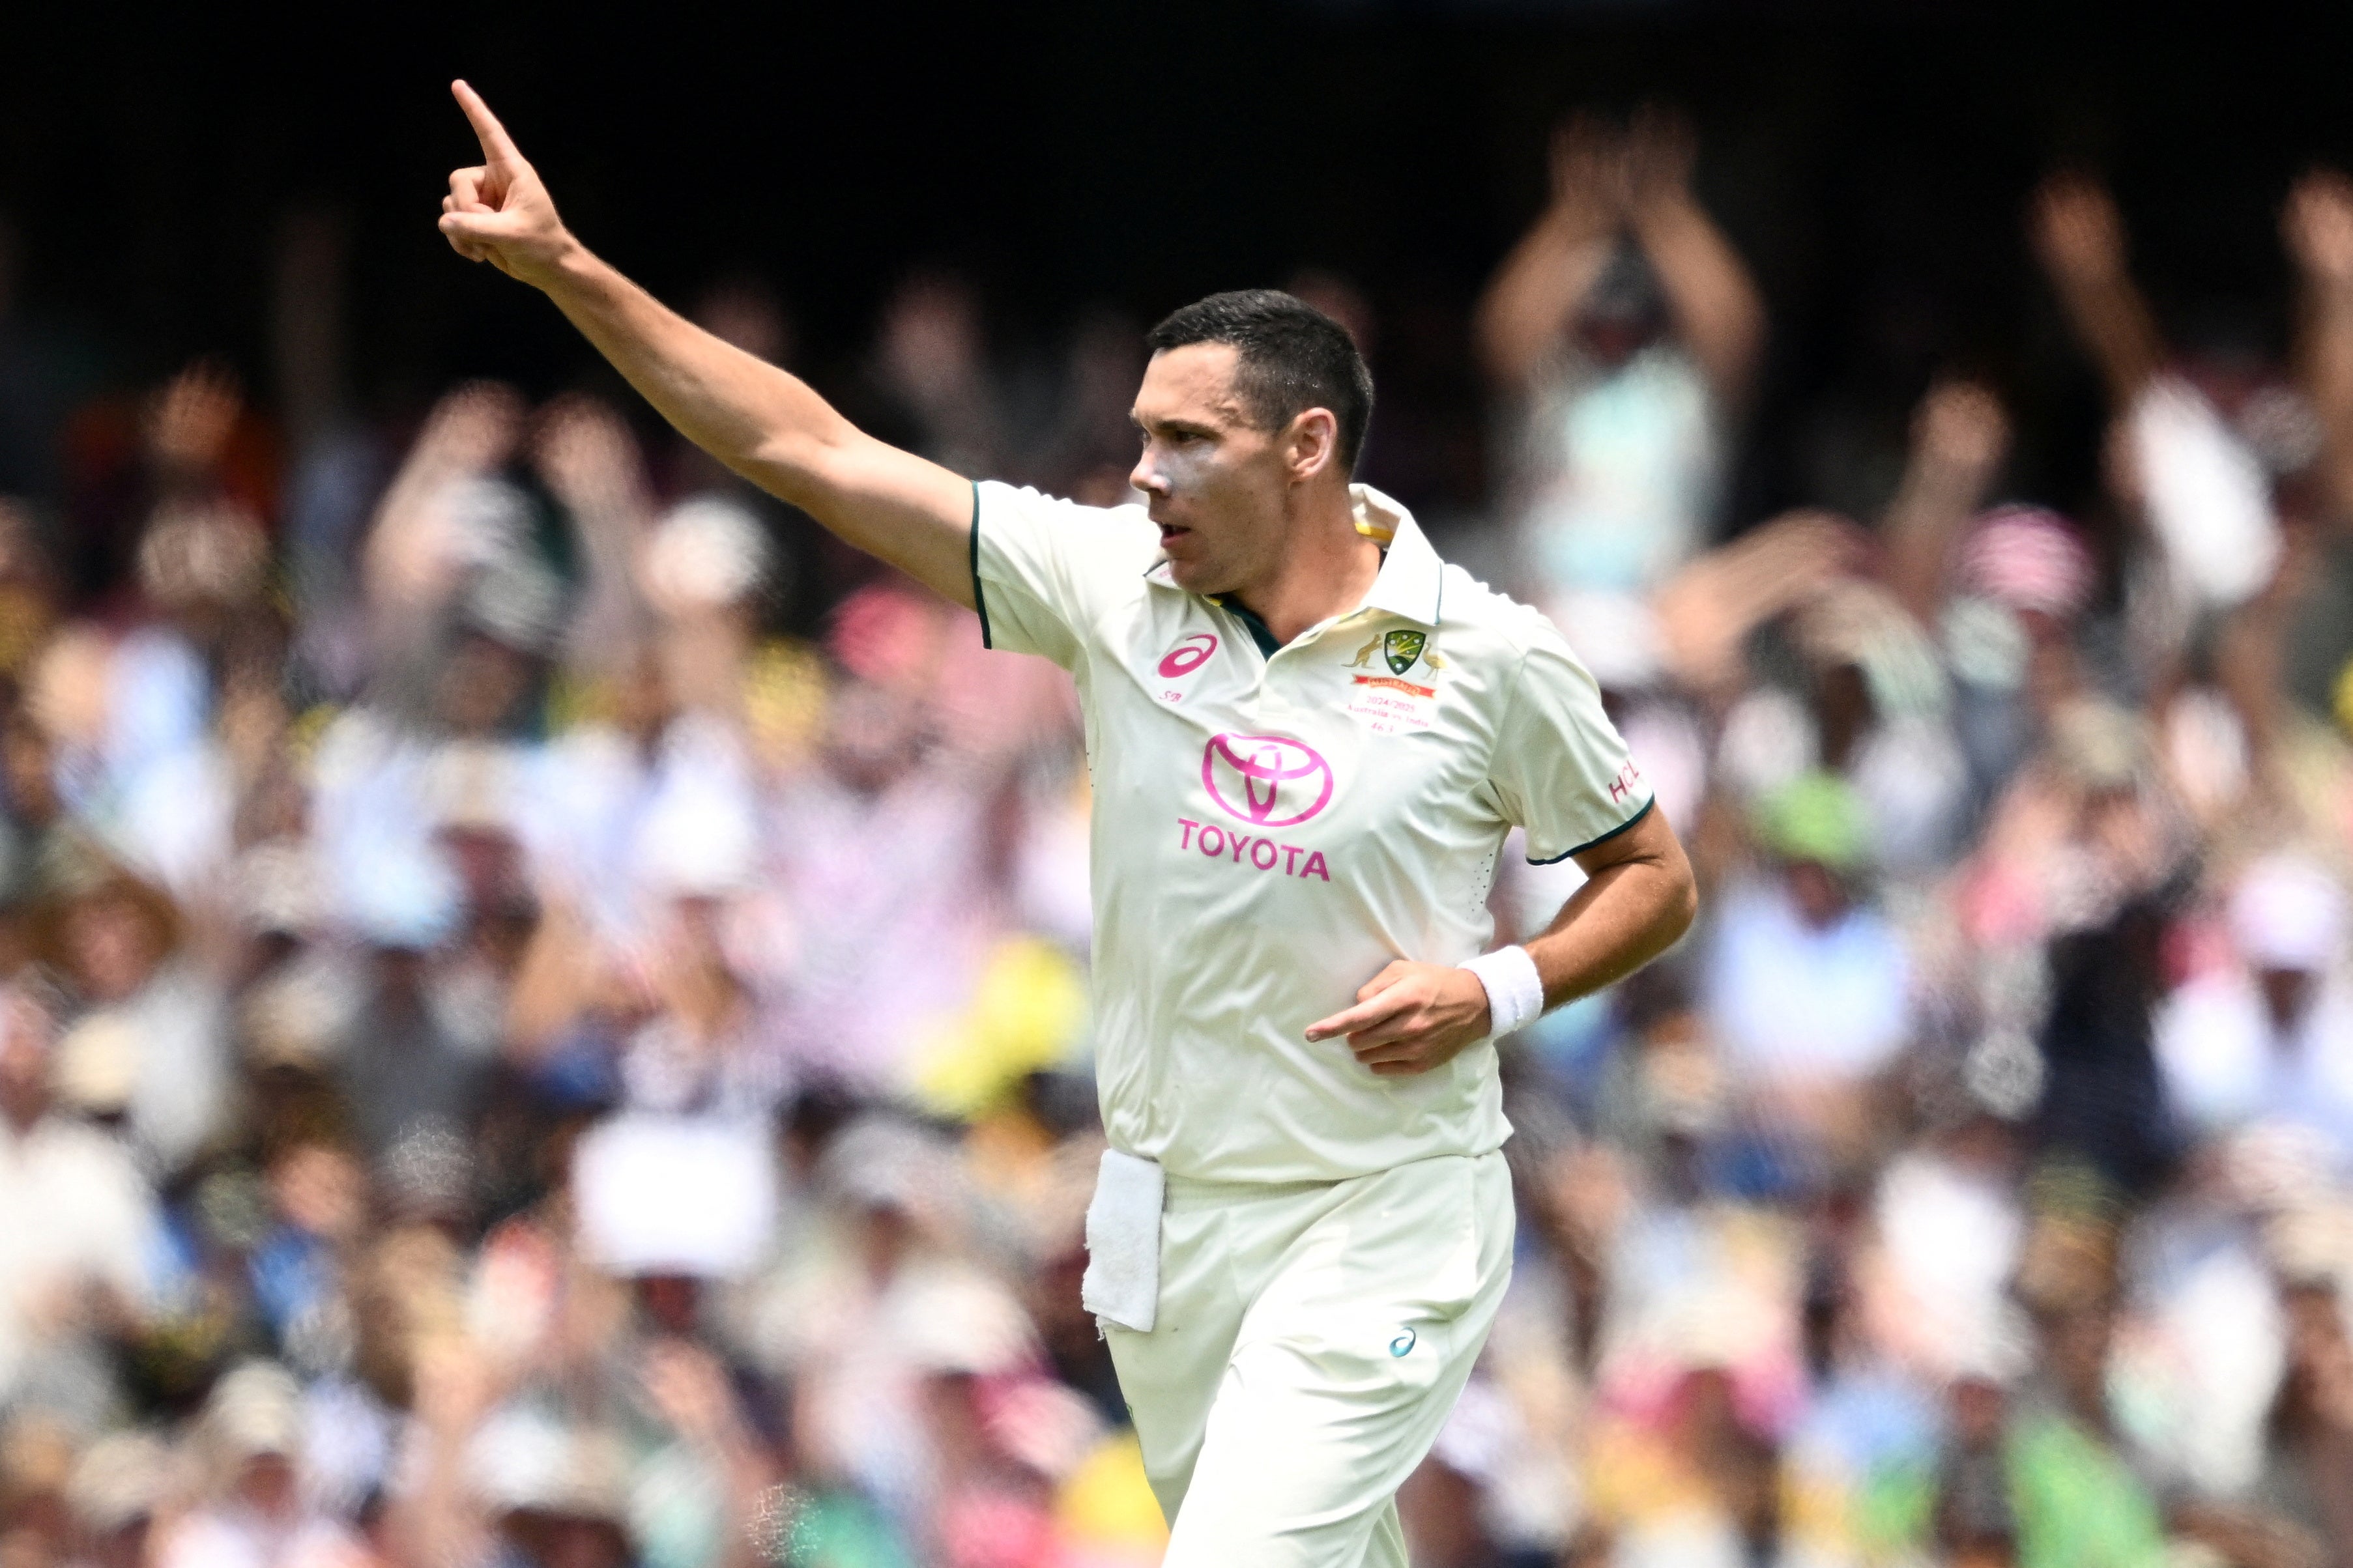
[1182, 470]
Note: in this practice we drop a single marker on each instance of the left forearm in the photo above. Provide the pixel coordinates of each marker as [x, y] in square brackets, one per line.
[1632, 908]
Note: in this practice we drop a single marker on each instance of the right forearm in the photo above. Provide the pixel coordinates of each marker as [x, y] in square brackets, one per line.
[1537, 290]
[2327, 366]
[761, 421]
[2115, 327]
[767, 424]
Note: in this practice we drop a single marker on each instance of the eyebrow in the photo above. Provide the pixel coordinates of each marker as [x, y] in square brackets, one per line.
[1175, 426]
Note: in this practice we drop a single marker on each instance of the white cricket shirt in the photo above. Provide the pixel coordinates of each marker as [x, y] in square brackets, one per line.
[1273, 826]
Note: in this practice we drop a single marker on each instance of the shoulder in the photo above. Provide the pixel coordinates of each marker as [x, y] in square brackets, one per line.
[1118, 535]
[1483, 622]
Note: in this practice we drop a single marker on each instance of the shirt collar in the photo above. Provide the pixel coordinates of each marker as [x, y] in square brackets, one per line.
[1412, 578]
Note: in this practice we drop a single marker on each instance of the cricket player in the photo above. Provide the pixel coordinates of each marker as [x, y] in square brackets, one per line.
[1309, 737]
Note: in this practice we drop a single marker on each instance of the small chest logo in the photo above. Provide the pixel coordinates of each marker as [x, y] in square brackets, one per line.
[1188, 654]
[1403, 1344]
[1400, 650]
[1269, 781]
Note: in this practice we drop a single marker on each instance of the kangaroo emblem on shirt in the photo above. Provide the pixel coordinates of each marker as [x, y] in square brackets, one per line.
[1399, 649]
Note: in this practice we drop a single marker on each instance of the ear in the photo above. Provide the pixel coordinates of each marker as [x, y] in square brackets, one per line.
[1312, 444]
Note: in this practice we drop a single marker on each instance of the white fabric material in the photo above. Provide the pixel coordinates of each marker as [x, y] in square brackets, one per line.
[1313, 1337]
[1122, 1277]
[1271, 832]
[2209, 503]
[1515, 989]
[2288, 914]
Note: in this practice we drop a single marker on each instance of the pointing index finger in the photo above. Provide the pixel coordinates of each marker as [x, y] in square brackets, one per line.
[498, 147]
[1362, 1016]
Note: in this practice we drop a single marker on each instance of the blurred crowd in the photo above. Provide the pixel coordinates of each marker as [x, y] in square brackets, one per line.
[542, 1004]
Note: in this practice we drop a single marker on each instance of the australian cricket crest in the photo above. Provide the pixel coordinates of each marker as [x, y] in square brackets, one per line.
[1391, 704]
[1401, 648]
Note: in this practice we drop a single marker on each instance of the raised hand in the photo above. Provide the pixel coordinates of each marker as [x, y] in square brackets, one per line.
[1962, 425]
[1585, 162]
[1661, 149]
[498, 211]
[190, 420]
[2318, 225]
[2077, 230]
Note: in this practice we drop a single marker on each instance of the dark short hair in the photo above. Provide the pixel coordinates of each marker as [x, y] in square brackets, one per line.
[1292, 357]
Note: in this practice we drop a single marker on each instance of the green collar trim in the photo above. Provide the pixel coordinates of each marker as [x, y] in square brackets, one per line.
[1267, 646]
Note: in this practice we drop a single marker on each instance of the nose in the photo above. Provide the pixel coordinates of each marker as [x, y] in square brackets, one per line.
[1146, 477]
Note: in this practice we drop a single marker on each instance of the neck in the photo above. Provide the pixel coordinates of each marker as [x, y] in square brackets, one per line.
[1325, 569]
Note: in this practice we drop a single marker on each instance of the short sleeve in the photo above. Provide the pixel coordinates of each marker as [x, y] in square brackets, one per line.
[1560, 769]
[1044, 572]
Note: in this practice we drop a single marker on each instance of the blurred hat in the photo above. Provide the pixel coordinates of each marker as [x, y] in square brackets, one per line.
[2029, 558]
[1816, 816]
[887, 635]
[473, 787]
[957, 1324]
[881, 1162]
[705, 553]
[523, 1461]
[97, 1064]
[2068, 1262]
[1997, 1352]
[2275, 1168]
[213, 553]
[2103, 746]
[275, 888]
[255, 1409]
[428, 1169]
[117, 1480]
[1617, 636]
[2287, 913]
[516, 603]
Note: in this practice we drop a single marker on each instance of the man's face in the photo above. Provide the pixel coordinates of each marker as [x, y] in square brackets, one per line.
[1213, 480]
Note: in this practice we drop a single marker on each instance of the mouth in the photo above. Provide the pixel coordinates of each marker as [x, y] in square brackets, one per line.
[1170, 533]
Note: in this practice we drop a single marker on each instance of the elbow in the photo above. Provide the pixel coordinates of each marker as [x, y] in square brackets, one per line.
[1682, 903]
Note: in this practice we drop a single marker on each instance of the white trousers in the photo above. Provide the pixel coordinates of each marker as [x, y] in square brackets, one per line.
[1311, 1339]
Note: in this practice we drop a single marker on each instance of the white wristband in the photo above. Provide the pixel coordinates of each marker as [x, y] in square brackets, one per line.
[1515, 989]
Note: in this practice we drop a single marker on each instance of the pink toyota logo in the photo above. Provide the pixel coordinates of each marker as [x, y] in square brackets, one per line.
[1278, 781]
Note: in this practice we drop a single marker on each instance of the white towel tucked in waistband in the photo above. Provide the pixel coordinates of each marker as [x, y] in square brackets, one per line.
[1122, 1279]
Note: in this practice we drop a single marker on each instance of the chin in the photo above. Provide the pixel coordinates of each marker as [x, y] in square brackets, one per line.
[1197, 578]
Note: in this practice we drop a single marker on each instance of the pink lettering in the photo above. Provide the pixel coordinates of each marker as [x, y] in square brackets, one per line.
[1262, 854]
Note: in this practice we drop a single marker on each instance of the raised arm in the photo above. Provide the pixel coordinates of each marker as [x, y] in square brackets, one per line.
[2318, 228]
[2080, 237]
[761, 421]
[1958, 439]
[1537, 290]
[1716, 307]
